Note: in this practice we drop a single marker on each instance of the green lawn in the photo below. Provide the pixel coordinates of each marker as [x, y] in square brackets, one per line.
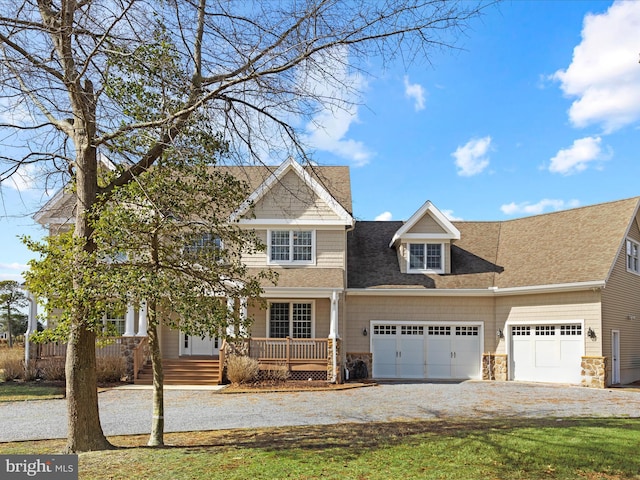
[18, 391]
[500, 449]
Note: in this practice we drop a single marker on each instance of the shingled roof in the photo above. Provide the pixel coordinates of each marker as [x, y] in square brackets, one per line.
[335, 179]
[571, 246]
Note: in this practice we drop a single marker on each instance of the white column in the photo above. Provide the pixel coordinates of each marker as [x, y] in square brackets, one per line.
[129, 321]
[32, 325]
[142, 320]
[231, 329]
[243, 316]
[333, 328]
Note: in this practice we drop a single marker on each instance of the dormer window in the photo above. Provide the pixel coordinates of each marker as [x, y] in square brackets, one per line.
[426, 257]
[291, 246]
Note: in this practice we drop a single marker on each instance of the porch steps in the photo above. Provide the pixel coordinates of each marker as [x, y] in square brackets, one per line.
[184, 371]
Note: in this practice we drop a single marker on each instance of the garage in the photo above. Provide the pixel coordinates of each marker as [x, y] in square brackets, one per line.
[547, 352]
[426, 350]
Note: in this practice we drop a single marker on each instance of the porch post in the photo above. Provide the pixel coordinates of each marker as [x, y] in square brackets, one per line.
[32, 325]
[142, 320]
[333, 336]
[231, 328]
[243, 316]
[129, 321]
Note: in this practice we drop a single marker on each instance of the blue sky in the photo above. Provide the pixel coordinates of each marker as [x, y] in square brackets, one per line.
[537, 111]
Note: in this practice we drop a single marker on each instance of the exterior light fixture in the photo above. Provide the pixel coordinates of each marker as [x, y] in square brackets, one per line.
[591, 333]
[500, 333]
[364, 332]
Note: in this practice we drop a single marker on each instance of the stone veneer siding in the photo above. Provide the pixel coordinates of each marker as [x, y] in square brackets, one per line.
[495, 366]
[366, 357]
[330, 346]
[594, 372]
[127, 348]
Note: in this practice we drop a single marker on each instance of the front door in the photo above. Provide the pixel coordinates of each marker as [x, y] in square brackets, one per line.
[615, 357]
[196, 345]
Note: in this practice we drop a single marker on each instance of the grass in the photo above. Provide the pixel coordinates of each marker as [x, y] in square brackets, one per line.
[590, 449]
[19, 391]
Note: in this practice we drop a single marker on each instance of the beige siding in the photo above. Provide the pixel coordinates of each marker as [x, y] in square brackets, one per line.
[169, 342]
[552, 307]
[361, 310]
[621, 302]
[330, 250]
[426, 225]
[291, 198]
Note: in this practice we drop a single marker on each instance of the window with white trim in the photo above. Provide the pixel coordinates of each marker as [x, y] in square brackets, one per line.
[291, 246]
[114, 318]
[426, 257]
[633, 256]
[291, 319]
[205, 244]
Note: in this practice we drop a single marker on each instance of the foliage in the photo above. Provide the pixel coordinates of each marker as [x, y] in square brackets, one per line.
[12, 297]
[276, 373]
[242, 369]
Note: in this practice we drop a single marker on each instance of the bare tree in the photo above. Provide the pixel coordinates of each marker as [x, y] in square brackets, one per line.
[257, 70]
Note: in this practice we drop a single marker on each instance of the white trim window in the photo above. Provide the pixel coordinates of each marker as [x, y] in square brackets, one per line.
[291, 246]
[290, 319]
[205, 244]
[425, 257]
[114, 318]
[633, 256]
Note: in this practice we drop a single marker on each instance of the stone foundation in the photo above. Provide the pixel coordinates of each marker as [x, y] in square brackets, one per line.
[127, 347]
[594, 372]
[495, 367]
[338, 373]
[354, 357]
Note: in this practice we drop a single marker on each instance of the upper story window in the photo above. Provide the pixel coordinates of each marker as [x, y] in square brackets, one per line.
[291, 246]
[633, 256]
[205, 244]
[114, 320]
[426, 257]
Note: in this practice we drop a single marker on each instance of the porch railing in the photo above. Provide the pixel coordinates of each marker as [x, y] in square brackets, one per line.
[113, 349]
[295, 353]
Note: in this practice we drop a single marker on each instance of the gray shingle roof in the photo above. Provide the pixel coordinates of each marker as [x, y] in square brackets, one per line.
[577, 245]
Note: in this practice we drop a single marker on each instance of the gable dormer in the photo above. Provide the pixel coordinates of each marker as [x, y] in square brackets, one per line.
[423, 243]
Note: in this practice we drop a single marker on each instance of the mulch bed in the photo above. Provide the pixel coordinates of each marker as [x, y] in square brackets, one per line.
[290, 386]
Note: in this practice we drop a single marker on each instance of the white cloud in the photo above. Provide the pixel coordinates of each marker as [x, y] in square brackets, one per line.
[471, 158]
[526, 208]
[331, 81]
[449, 214]
[416, 92]
[23, 179]
[604, 76]
[384, 217]
[12, 271]
[577, 157]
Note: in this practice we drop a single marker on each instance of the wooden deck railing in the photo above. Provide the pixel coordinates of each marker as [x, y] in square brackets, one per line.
[295, 353]
[140, 356]
[113, 349]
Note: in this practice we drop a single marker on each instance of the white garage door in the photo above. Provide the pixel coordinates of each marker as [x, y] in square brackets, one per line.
[426, 351]
[547, 353]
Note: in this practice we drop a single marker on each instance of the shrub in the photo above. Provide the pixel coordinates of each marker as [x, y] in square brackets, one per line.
[276, 373]
[241, 369]
[30, 372]
[11, 363]
[52, 369]
[110, 369]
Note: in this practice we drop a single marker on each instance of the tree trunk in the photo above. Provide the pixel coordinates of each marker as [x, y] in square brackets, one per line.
[157, 424]
[9, 326]
[83, 418]
[85, 432]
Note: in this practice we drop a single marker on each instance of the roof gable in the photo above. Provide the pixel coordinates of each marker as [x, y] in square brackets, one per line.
[279, 180]
[428, 223]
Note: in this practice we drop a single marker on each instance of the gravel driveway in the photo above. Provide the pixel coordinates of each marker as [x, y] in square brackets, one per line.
[125, 411]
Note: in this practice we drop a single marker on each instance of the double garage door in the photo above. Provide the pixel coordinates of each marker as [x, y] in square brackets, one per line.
[547, 353]
[432, 351]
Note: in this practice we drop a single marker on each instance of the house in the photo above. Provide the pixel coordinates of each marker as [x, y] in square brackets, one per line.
[547, 298]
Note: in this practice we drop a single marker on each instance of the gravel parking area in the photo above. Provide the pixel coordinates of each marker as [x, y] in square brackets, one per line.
[125, 411]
